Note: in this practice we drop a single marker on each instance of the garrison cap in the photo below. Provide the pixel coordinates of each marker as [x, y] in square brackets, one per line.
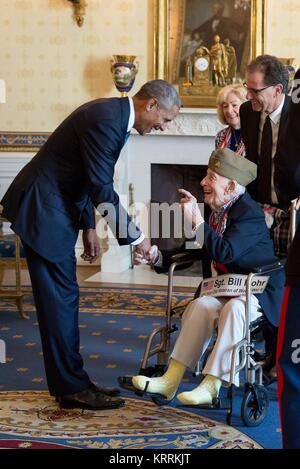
[229, 164]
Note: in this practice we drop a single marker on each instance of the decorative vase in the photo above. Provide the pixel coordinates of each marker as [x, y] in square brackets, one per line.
[124, 70]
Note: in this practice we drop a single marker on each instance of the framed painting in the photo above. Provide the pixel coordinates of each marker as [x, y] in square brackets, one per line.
[188, 29]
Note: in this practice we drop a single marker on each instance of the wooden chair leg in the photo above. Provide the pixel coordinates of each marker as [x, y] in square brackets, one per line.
[18, 279]
[21, 308]
[16, 294]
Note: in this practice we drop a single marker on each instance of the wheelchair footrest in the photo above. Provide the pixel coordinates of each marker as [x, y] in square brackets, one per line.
[125, 382]
[218, 404]
[222, 403]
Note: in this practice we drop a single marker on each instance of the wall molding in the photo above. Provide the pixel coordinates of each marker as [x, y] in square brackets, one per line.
[22, 141]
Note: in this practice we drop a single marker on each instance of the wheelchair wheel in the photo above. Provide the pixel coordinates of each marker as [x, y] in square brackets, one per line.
[255, 406]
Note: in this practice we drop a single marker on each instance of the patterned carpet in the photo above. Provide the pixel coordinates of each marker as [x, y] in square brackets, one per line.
[114, 325]
[33, 419]
[108, 300]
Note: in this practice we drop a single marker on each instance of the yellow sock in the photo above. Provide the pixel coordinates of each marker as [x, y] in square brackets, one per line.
[166, 385]
[202, 394]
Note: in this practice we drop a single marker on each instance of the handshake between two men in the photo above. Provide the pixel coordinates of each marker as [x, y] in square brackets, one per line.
[146, 254]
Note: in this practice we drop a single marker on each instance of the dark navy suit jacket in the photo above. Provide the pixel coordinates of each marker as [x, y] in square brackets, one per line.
[54, 195]
[287, 176]
[245, 244]
[250, 131]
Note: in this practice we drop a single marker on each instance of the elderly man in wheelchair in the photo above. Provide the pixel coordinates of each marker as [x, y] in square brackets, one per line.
[236, 239]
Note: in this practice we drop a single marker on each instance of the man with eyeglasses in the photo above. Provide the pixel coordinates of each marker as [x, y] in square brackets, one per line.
[263, 121]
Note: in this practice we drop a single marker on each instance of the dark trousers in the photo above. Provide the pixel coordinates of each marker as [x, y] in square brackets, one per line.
[56, 296]
[288, 368]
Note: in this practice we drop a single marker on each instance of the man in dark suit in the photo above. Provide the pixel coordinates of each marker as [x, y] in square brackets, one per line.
[263, 119]
[287, 158]
[53, 197]
[288, 349]
[267, 86]
[236, 240]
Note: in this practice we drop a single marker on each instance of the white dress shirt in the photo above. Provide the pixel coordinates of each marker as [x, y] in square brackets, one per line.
[129, 127]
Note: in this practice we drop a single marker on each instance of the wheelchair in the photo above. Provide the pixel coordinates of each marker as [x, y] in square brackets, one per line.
[245, 357]
[255, 401]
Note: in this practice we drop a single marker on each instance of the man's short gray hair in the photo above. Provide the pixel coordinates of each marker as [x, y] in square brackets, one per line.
[163, 91]
[273, 70]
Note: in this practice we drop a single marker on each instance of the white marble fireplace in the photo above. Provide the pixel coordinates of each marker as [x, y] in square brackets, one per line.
[188, 140]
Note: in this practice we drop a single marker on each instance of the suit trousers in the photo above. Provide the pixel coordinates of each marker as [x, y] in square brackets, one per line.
[199, 321]
[56, 296]
[288, 366]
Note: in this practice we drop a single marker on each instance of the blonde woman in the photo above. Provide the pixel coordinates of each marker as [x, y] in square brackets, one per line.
[229, 101]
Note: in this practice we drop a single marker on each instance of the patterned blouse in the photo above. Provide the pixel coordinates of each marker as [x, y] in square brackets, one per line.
[231, 138]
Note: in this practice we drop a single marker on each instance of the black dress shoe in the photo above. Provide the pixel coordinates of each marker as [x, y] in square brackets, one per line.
[89, 399]
[107, 391]
[112, 392]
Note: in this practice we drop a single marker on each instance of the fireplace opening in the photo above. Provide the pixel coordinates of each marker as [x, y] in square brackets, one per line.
[166, 179]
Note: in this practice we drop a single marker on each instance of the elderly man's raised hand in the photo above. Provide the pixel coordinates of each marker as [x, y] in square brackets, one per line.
[190, 208]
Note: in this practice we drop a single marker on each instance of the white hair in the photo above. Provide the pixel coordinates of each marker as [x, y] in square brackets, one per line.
[239, 190]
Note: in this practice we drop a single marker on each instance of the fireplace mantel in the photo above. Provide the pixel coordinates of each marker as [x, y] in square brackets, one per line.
[193, 122]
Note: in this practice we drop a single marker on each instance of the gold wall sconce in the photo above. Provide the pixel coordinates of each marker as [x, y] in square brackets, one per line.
[79, 7]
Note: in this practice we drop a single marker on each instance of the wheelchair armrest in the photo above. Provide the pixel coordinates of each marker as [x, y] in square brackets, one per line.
[178, 260]
[269, 267]
[182, 258]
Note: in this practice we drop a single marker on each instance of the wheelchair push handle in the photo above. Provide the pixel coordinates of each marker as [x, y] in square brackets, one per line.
[182, 258]
[293, 215]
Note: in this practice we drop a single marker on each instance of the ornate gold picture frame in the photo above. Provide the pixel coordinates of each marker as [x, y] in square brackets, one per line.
[185, 33]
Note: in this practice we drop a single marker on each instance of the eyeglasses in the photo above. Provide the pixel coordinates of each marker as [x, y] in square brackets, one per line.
[256, 91]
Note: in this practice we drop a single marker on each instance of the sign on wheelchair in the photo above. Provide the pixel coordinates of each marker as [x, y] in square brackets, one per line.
[232, 285]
